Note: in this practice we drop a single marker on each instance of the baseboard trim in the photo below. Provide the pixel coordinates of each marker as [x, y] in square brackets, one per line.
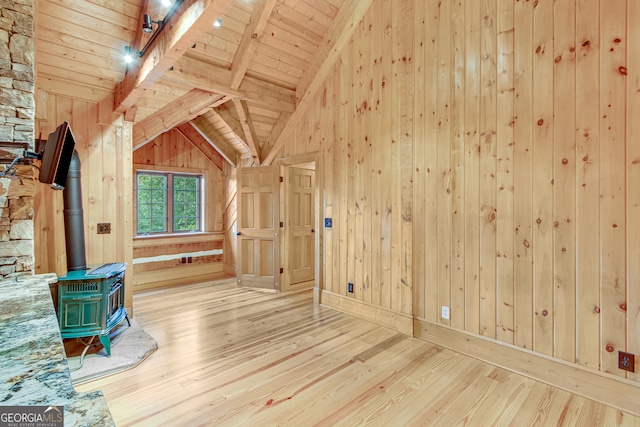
[607, 389]
[400, 322]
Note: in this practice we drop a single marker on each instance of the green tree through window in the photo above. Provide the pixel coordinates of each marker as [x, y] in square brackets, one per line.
[168, 202]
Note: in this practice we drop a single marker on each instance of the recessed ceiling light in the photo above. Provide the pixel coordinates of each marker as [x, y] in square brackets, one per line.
[217, 22]
[127, 54]
[166, 3]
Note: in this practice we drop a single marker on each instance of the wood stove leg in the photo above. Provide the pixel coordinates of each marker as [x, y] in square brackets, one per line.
[106, 343]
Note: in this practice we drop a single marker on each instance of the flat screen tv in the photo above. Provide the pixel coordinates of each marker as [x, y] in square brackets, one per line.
[56, 157]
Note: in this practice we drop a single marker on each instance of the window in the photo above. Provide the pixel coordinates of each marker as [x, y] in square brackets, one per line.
[169, 202]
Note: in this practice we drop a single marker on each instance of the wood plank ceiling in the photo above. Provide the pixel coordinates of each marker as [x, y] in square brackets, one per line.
[236, 86]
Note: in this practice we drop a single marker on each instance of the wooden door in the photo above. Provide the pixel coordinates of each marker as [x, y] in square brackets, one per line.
[301, 221]
[258, 263]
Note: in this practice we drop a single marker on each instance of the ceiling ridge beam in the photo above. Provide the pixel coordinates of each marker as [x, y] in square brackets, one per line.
[356, 10]
[191, 20]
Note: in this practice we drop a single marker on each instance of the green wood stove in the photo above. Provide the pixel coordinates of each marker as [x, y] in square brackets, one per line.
[91, 302]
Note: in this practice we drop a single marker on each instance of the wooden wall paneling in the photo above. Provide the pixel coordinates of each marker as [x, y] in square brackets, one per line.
[336, 169]
[443, 154]
[325, 171]
[124, 238]
[613, 70]
[505, 325]
[488, 118]
[458, 53]
[361, 92]
[406, 154]
[351, 178]
[376, 142]
[472, 147]
[633, 190]
[564, 181]
[523, 174]
[543, 176]
[367, 136]
[106, 243]
[395, 160]
[344, 124]
[588, 317]
[387, 190]
[420, 60]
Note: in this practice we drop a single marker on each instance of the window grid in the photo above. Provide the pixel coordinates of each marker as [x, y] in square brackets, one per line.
[166, 199]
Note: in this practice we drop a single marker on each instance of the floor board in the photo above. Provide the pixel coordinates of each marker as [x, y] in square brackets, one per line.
[230, 356]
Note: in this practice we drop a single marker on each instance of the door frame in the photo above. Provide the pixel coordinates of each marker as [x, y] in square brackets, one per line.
[286, 163]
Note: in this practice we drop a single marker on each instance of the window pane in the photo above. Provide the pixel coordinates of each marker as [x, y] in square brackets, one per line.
[186, 203]
[152, 203]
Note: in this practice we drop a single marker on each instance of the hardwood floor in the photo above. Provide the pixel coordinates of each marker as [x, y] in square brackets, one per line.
[236, 357]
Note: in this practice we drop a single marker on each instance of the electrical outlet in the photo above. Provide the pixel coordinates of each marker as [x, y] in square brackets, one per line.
[350, 287]
[445, 312]
[104, 228]
[328, 222]
[626, 361]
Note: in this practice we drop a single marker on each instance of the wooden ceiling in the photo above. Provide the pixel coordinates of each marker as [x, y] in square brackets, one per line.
[237, 87]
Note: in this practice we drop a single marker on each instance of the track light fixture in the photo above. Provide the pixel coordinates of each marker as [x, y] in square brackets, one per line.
[147, 24]
[128, 57]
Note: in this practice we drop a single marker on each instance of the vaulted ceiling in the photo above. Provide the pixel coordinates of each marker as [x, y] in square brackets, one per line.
[239, 87]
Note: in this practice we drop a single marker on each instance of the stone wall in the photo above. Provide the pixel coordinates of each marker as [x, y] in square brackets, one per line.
[17, 125]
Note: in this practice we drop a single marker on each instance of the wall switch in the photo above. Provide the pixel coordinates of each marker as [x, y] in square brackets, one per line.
[328, 222]
[445, 312]
[626, 361]
[350, 287]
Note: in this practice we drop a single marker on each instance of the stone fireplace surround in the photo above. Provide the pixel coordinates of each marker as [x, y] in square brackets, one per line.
[17, 125]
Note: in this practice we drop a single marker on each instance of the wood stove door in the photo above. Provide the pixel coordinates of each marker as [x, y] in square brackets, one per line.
[258, 225]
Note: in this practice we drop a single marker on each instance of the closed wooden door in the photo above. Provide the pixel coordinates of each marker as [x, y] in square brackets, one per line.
[258, 225]
[301, 220]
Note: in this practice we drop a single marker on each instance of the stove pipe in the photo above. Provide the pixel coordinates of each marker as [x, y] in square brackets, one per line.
[73, 217]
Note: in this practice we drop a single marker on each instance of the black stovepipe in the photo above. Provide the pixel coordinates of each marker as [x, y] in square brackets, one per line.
[74, 217]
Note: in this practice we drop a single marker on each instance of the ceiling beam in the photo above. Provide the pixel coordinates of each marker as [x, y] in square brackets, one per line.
[338, 36]
[247, 126]
[196, 73]
[249, 42]
[183, 109]
[202, 143]
[230, 117]
[275, 133]
[219, 144]
[191, 20]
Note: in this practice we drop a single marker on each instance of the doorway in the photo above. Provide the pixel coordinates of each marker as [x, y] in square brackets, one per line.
[300, 240]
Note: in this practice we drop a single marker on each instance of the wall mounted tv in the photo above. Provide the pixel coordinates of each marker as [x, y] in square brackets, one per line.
[56, 157]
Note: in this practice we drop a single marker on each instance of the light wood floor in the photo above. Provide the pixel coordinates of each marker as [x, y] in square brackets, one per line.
[237, 357]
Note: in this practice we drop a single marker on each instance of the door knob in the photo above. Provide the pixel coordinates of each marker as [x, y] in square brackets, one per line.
[238, 234]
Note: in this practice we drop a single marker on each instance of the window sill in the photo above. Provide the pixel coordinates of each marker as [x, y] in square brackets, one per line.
[163, 239]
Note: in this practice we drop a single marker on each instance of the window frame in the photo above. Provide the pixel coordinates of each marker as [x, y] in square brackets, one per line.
[169, 174]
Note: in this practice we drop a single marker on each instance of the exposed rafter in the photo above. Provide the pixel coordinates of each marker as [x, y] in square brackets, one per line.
[191, 20]
[190, 71]
[202, 143]
[247, 126]
[185, 108]
[259, 17]
[227, 152]
[341, 31]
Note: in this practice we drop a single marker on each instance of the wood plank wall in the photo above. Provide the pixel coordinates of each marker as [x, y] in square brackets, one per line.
[172, 151]
[104, 148]
[484, 155]
[229, 218]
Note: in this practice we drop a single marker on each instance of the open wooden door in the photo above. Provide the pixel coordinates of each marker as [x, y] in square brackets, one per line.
[258, 263]
[301, 218]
